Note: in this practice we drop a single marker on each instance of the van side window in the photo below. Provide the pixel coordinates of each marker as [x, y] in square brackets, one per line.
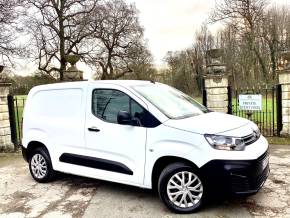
[144, 117]
[106, 104]
[136, 109]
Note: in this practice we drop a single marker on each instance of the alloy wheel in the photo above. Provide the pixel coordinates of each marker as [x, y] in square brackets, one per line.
[184, 189]
[38, 166]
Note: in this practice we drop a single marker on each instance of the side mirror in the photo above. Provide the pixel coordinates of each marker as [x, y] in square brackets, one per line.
[124, 118]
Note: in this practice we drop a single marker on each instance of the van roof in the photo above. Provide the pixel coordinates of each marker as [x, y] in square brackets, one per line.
[79, 84]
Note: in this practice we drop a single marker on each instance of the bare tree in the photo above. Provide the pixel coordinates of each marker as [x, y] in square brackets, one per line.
[253, 37]
[59, 28]
[141, 64]
[274, 32]
[204, 41]
[245, 16]
[186, 68]
[181, 72]
[8, 16]
[117, 36]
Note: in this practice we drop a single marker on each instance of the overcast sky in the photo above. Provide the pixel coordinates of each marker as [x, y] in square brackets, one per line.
[169, 25]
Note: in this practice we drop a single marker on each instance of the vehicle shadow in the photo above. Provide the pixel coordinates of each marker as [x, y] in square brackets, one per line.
[146, 197]
[115, 187]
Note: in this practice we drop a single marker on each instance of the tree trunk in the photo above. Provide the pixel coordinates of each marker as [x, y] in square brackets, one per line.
[262, 63]
[61, 43]
[273, 60]
[258, 55]
[104, 74]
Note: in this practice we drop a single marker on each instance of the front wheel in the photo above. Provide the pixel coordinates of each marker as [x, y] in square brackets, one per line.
[180, 188]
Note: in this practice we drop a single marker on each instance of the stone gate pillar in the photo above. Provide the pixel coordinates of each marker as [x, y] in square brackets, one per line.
[216, 82]
[216, 87]
[284, 79]
[5, 134]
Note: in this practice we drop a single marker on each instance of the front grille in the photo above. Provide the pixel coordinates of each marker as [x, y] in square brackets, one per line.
[250, 139]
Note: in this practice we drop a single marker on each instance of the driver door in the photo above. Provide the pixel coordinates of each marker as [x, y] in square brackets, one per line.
[119, 150]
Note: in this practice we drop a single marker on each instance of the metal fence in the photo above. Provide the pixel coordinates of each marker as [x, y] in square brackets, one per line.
[269, 119]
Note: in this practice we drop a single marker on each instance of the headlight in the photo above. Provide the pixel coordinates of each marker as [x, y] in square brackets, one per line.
[255, 129]
[225, 142]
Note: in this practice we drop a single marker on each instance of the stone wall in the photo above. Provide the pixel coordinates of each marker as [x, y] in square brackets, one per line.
[284, 80]
[5, 134]
[216, 87]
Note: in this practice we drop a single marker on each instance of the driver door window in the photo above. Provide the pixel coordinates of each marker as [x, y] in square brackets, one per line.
[107, 103]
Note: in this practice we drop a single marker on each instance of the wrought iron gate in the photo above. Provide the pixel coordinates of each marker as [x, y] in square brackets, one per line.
[16, 106]
[269, 119]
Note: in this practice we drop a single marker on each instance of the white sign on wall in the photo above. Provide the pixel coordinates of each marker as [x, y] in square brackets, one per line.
[250, 102]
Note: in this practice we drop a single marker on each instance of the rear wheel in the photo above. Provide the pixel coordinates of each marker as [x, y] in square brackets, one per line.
[181, 188]
[40, 165]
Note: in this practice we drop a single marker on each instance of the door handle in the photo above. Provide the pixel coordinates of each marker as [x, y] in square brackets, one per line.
[94, 129]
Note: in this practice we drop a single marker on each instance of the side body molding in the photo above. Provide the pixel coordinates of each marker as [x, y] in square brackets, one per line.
[96, 163]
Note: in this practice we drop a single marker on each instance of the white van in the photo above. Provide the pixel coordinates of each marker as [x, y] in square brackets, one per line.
[143, 134]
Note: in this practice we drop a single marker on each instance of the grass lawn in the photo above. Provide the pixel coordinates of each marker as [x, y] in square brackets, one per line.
[265, 119]
[267, 106]
[19, 102]
[257, 116]
[278, 141]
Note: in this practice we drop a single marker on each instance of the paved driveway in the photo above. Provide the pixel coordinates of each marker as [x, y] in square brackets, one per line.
[72, 196]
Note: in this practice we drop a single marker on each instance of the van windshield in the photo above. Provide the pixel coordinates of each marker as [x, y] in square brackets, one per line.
[173, 103]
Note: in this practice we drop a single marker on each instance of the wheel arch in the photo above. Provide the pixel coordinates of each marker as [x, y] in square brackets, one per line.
[31, 147]
[164, 161]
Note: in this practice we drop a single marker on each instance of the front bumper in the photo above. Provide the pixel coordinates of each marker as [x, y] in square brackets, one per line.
[237, 177]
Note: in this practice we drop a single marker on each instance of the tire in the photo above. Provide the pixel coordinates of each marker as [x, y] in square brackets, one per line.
[192, 193]
[40, 165]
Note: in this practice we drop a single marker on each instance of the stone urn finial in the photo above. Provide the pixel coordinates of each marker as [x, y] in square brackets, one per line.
[284, 63]
[215, 65]
[72, 73]
[72, 59]
[215, 53]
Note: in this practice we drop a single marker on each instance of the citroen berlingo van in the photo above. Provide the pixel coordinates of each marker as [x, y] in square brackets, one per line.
[144, 134]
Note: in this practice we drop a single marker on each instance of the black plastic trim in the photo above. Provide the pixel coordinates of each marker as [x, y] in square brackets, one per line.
[238, 177]
[96, 163]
